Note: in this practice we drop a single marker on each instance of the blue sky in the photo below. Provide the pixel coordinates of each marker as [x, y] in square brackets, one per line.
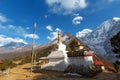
[17, 18]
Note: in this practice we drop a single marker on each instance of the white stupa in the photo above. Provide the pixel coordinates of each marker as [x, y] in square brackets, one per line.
[58, 59]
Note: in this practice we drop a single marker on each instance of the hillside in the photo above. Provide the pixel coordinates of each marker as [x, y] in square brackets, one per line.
[26, 49]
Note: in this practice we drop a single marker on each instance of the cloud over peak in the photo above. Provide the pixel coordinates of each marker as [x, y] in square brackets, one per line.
[5, 39]
[49, 28]
[83, 33]
[66, 6]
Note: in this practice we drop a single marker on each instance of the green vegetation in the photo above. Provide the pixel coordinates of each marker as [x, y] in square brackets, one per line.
[25, 59]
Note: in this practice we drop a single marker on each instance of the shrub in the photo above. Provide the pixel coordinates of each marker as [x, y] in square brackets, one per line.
[7, 64]
[26, 59]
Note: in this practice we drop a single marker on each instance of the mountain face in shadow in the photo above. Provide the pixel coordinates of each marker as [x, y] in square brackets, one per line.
[115, 43]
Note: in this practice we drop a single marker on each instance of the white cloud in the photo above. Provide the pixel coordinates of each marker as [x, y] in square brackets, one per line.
[4, 40]
[116, 18]
[53, 35]
[113, 0]
[77, 14]
[9, 29]
[3, 18]
[66, 6]
[12, 30]
[83, 33]
[49, 28]
[31, 36]
[98, 5]
[58, 29]
[11, 26]
[77, 20]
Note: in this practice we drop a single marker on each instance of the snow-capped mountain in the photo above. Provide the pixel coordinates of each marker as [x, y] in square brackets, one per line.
[83, 33]
[99, 39]
[13, 45]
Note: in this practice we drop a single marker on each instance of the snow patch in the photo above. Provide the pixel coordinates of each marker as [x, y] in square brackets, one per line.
[116, 18]
[65, 37]
[83, 33]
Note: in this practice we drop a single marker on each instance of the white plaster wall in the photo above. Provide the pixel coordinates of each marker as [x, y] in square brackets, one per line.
[55, 60]
[56, 65]
[88, 60]
[61, 47]
[76, 60]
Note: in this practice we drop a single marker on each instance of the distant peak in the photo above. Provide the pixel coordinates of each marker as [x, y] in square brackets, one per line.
[83, 33]
[116, 18]
[66, 33]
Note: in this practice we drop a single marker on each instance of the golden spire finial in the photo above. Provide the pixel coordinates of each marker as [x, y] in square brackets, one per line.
[59, 37]
[78, 43]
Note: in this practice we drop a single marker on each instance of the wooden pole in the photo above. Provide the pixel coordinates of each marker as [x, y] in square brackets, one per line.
[33, 42]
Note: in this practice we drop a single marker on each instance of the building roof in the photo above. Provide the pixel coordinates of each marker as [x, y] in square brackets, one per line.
[98, 63]
[75, 54]
[79, 54]
[1, 62]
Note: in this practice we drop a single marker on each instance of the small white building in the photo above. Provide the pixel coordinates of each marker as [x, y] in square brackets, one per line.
[79, 58]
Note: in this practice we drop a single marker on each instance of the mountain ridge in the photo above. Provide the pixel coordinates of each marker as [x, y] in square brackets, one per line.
[99, 39]
[13, 45]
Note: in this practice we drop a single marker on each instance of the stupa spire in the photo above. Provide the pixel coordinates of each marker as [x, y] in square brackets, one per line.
[59, 37]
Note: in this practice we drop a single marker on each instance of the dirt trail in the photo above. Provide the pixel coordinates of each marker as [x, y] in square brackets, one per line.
[22, 72]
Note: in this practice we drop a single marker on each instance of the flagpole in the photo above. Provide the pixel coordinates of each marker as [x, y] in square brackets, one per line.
[33, 42]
